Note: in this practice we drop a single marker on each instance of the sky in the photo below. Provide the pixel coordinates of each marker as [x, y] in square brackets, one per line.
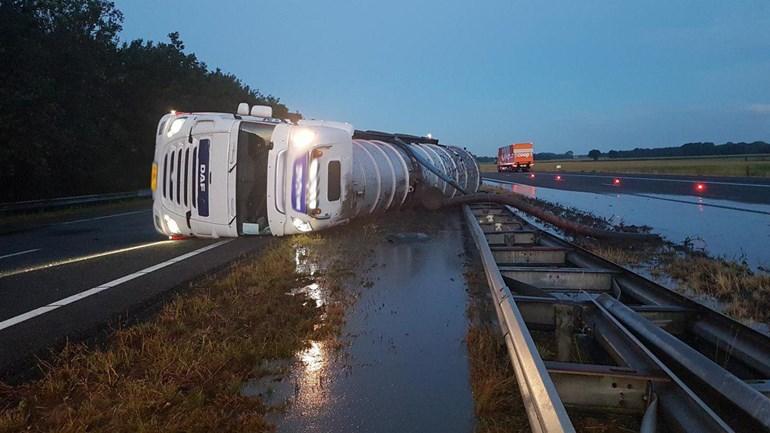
[564, 75]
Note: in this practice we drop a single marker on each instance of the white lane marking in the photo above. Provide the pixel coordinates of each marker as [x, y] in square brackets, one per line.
[19, 253]
[108, 285]
[105, 217]
[657, 179]
[80, 259]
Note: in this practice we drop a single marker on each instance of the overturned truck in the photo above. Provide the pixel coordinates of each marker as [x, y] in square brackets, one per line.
[228, 175]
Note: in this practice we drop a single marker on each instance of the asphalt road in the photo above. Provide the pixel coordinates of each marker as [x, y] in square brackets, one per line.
[69, 280]
[740, 189]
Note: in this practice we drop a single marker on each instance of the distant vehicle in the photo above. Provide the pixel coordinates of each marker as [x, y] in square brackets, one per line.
[247, 173]
[515, 157]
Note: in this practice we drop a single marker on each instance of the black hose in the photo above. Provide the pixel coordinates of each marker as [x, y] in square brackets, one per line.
[428, 165]
[542, 214]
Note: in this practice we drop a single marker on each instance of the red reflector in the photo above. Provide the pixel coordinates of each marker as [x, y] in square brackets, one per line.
[532, 176]
[177, 237]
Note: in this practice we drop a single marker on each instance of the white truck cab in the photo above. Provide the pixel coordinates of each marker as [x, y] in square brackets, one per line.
[226, 175]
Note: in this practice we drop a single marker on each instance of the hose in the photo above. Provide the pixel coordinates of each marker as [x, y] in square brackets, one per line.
[549, 217]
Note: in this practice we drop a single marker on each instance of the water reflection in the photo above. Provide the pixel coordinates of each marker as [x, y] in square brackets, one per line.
[302, 262]
[311, 393]
[314, 357]
[518, 188]
[710, 220]
[313, 291]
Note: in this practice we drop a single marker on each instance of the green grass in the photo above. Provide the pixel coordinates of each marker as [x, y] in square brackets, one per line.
[754, 165]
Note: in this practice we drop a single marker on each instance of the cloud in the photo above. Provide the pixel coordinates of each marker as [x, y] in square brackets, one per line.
[759, 108]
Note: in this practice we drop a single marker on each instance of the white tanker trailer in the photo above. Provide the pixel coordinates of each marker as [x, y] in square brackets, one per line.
[228, 175]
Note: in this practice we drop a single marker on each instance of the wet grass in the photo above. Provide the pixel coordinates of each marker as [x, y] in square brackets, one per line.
[740, 292]
[496, 398]
[182, 370]
[744, 294]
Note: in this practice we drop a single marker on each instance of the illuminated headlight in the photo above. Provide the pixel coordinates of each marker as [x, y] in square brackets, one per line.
[172, 226]
[302, 226]
[175, 127]
[302, 138]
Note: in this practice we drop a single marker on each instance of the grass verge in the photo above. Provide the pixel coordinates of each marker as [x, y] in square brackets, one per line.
[182, 371]
[496, 398]
[753, 166]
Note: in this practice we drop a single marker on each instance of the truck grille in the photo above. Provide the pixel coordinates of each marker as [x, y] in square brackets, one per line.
[179, 174]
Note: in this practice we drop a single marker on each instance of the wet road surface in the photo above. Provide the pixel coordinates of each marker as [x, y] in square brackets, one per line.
[740, 189]
[404, 365]
[731, 229]
[69, 279]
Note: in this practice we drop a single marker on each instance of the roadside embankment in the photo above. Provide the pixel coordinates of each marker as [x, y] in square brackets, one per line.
[182, 370]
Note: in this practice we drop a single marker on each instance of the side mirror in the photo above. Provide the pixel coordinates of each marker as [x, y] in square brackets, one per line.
[262, 111]
[243, 109]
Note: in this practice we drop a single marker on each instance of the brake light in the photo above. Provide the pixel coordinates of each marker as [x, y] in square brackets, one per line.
[532, 175]
[616, 181]
[700, 187]
[558, 177]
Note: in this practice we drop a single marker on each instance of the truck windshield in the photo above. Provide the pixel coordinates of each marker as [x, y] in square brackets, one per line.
[251, 177]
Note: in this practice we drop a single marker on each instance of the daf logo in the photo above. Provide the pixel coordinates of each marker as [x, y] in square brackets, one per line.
[202, 177]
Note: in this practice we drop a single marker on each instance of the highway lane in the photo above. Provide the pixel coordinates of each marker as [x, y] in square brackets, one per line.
[70, 279]
[741, 189]
[730, 228]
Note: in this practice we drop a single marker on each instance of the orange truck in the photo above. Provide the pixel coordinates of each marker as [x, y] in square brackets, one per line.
[515, 157]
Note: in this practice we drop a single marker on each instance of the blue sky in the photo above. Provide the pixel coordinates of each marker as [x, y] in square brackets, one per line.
[566, 76]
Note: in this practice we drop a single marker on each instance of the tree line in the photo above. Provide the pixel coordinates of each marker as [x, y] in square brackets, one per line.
[79, 108]
[687, 149]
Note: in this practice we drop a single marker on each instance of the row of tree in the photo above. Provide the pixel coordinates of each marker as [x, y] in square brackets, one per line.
[685, 150]
[688, 149]
[78, 108]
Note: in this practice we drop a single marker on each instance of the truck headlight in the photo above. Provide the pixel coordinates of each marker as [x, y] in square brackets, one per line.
[172, 226]
[176, 126]
[301, 138]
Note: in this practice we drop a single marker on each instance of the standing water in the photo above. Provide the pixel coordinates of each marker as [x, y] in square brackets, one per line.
[403, 363]
[733, 230]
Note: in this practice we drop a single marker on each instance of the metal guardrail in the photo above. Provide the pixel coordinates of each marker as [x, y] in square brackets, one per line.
[60, 202]
[615, 341]
[545, 410]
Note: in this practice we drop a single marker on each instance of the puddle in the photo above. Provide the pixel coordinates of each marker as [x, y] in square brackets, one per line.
[402, 365]
[718, 226]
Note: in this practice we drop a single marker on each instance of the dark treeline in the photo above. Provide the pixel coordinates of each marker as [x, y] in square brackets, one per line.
[693, 149]
[78, 108]
[545, 156]
[685, 150]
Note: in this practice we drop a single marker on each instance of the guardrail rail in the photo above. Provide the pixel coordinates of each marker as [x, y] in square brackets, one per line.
[619, 343]
[61, 202]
